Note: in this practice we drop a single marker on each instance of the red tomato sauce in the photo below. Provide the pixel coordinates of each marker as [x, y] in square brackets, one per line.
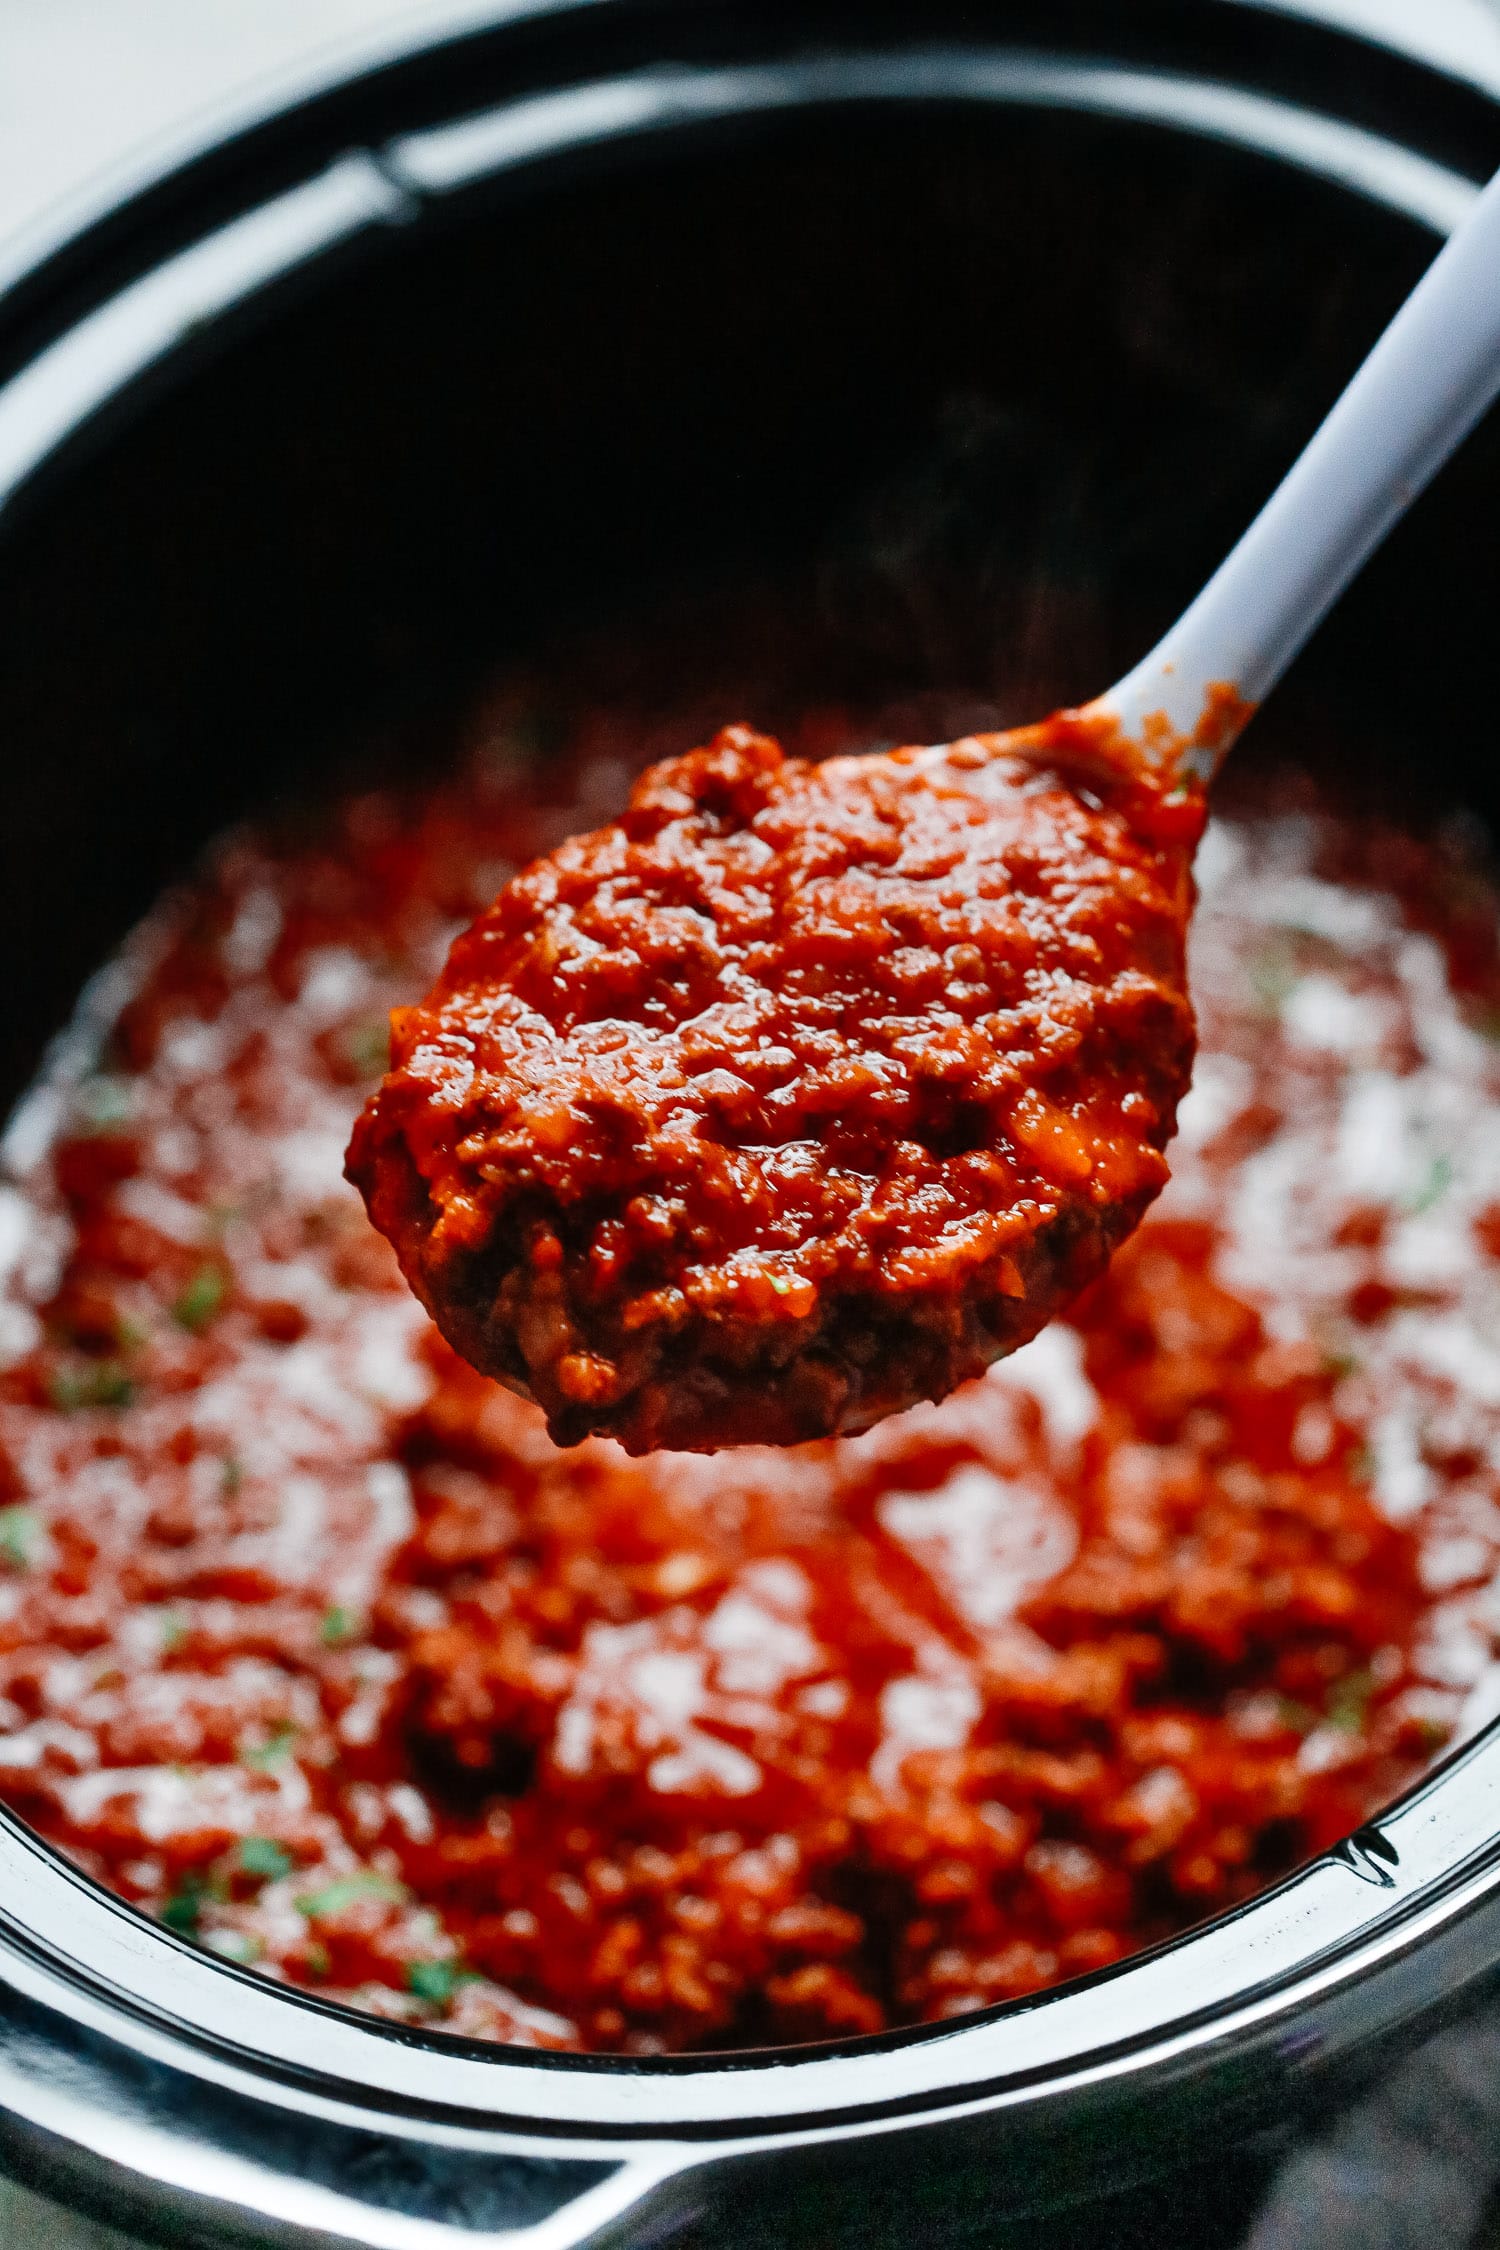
[314, 1644]
[798, 1094]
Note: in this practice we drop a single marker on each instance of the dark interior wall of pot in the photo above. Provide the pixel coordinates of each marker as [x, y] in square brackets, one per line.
[998, 387]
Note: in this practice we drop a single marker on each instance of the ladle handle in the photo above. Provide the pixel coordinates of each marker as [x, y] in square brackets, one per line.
[1416, 397]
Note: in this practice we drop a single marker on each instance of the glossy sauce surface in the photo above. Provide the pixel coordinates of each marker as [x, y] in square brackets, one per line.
[798, 1094]
[312, 1642]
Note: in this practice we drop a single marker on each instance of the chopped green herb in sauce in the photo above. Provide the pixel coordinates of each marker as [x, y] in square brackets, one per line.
[20, 1537]
[277, 1745]
[336, 1898]
[264, 1857]
[434, 1981]
[200, 1300]
[368, 1046]
[100, 1383]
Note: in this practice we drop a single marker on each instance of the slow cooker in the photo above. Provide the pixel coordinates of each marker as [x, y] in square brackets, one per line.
[569, 300]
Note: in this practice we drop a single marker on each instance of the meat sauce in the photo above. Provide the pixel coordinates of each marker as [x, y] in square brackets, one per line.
[798, 1094]
[313, 1644]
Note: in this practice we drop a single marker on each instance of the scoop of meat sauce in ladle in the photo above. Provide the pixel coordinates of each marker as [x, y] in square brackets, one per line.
[804, 1091]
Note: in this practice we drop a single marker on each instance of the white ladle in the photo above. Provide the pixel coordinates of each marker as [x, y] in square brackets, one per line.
[1420, 391]
[1416, 397]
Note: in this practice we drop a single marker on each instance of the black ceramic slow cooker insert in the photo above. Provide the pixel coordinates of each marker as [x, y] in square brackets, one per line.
[384, 384]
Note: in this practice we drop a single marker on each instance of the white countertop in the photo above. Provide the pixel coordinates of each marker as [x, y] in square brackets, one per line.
[89, 87]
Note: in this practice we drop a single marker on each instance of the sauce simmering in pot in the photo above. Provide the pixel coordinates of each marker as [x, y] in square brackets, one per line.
[313, 1643]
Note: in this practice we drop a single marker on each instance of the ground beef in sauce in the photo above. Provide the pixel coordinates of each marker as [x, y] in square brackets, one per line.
[314, 1644]
[798, 1094]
